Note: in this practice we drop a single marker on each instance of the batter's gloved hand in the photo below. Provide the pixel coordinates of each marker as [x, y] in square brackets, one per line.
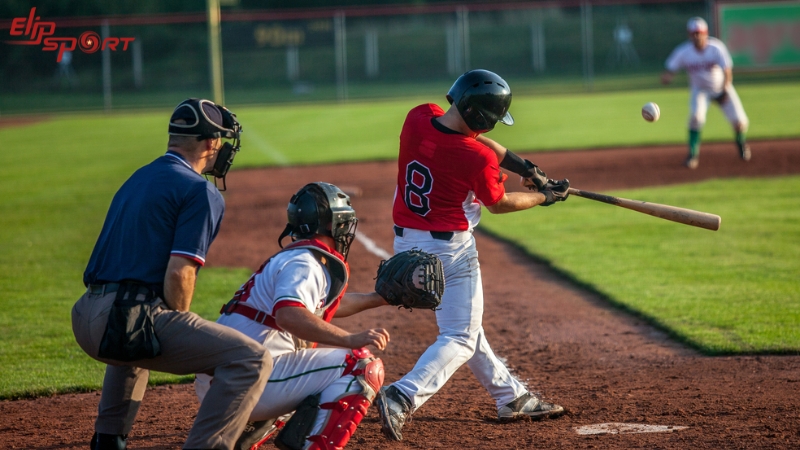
[534, 178]
[411, 279]
[555, 191]
[722, 97]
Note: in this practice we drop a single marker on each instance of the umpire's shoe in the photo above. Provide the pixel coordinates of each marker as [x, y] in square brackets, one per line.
[531, 406]
[102, 441]
[394, 409]
[255, 434]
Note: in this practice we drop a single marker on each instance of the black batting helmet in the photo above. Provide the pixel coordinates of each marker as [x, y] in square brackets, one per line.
[482, 99]
[321, 208]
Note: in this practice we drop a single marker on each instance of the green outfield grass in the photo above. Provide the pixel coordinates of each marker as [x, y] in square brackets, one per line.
[725, 292]
[59, 176]
[306, 134]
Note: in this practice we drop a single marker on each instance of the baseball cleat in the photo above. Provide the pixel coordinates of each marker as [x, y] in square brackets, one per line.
[744, 152]
[529, 405]
[692, 162]
[394, 410]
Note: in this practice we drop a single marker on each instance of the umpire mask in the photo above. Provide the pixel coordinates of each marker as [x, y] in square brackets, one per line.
[206, 120]
[321, 208]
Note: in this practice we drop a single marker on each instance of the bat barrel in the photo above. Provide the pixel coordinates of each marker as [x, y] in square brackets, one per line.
[681, 215]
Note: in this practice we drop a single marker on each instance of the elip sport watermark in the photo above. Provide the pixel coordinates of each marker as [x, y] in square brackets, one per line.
[41, 32]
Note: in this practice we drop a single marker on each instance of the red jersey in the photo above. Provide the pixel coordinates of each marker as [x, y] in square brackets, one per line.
[442, 175]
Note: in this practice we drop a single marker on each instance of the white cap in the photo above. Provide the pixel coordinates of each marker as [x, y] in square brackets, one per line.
[697, 24]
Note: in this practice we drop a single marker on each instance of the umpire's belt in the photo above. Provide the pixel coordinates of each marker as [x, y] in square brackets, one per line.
[108, 288]
[441, 235]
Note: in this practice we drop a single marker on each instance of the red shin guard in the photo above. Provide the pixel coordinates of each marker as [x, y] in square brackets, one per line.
[346, 413]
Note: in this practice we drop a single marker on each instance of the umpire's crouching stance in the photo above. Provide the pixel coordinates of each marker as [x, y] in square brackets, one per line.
[140, 280]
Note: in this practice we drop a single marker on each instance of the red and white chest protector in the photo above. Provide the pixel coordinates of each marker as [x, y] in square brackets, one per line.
[294, 277]
[442, 176]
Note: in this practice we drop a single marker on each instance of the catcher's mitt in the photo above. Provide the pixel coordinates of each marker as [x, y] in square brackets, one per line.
[411, 279]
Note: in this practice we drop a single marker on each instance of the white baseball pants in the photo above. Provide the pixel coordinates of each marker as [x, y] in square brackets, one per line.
[295, 376]
[732, 108]
[461, 336]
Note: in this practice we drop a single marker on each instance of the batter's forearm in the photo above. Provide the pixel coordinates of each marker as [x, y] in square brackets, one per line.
[517, 201]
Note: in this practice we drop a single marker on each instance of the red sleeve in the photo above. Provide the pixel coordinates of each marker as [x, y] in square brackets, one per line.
[488, 185]
[286, 303]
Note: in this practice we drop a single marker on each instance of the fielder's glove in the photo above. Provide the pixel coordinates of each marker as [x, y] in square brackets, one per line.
[722, 97]
[411, 279]
[534, 178]
[555, 191]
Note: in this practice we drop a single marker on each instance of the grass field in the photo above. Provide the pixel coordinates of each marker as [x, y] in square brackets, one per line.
[60, 175]
[730, 291]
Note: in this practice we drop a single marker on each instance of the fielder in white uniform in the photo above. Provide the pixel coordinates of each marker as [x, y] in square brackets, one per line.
[710, 69]
[287, 306]
[447, 169]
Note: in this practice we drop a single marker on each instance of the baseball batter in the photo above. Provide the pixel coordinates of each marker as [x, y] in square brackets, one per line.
[446, 171]
[287, 306]
[710, 69]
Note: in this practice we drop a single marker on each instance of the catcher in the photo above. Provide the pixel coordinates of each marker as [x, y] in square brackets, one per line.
[287, 306]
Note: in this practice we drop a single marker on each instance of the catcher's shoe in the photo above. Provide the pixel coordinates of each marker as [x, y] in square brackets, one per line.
[531, 406]
[394, 409]
[102, 441]
[255, 434]
[744, 152]
[692, 162]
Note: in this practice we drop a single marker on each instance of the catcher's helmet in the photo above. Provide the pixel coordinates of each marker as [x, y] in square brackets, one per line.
[321, 208]
[482, 99]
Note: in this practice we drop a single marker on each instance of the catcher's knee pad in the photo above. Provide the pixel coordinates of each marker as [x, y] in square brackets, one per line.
[368, 370]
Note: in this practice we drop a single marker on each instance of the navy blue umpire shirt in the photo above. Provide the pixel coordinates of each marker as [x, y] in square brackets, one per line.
[164, 209]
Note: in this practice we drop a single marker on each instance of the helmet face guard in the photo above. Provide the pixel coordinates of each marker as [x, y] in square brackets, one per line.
[206, 120]
[321, 208]
[482, 99]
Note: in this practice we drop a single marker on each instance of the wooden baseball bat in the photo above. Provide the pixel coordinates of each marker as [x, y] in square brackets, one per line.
[673, 213]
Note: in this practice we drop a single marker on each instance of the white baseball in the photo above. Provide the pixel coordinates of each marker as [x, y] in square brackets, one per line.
[651, 112]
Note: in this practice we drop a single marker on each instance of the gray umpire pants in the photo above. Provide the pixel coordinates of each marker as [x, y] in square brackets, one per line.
[189, 344]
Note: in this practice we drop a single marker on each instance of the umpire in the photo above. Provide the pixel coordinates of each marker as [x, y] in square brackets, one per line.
[140, 281]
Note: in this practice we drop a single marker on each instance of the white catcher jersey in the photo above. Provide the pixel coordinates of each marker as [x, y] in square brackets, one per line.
[292, 277]
[705, 67]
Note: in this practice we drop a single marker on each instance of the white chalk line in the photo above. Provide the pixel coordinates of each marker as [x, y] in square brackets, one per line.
[626, 428]
[371, 246]
[267, 149]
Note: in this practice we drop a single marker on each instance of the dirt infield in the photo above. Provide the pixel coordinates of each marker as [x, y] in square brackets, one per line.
[601, 364]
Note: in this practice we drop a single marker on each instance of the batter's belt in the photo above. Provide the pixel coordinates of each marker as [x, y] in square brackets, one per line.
[440, 235]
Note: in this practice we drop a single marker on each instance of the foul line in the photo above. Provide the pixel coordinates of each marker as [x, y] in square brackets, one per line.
[267, 149]
[371, 246]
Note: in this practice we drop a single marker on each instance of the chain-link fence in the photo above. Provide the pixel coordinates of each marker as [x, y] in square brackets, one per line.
[341, 55]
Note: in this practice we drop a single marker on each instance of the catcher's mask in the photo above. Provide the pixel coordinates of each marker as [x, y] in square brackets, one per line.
[482, 99]
[206, 120]
[321, 208]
